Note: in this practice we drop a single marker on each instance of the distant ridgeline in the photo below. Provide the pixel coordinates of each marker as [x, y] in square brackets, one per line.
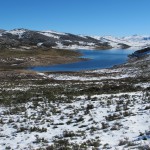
[141, 52]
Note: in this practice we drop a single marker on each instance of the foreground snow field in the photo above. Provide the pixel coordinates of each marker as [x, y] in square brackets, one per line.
[103, 121]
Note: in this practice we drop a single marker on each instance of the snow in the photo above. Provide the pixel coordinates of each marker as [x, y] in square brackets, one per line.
[128, 127]
[133, 41]
[52, 34]
[73, 47]
[79, 78]
[19, 59]
[96, 37]
[83, 36]
[143, 85]
[102, 122]
[103, 74]
[18, 32]
[138, 40]
[50, 31]
[39, 44]
[17, 89]
[49, 34]
[59, 45]
[68, 40]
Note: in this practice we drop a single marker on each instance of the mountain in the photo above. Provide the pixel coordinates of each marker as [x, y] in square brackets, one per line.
[131, 41]
[17, 38]
[28, 38]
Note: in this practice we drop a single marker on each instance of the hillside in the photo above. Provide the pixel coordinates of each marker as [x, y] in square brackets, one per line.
[19, 38]
[99, 109]
[86, 110]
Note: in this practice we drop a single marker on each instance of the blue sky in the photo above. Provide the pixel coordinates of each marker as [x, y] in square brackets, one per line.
[93, 17]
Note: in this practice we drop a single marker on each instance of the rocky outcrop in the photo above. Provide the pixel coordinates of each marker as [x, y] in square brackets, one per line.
[140, 53]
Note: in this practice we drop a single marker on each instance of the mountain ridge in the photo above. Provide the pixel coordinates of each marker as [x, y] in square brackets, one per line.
[25, 37]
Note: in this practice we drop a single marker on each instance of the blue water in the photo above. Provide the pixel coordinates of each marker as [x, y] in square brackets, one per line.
[98, 59]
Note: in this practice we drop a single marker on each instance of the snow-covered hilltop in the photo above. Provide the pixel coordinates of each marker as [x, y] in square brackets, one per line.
[132, 41]
[24, 37]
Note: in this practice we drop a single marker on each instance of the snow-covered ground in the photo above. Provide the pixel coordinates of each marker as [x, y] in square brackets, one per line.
[102, 74]
[49, 34]
[18, 32]
[74, 47]
[53, 32]
[114, 121]
[133, 41]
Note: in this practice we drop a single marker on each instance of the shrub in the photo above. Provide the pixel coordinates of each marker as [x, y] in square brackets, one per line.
[105, 125]
[68, 134]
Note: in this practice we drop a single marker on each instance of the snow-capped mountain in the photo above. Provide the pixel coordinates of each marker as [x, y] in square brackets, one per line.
[25, 37]
[132, 41]
[137, 40]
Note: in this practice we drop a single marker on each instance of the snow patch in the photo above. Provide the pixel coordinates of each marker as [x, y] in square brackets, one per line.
[133, 41]
[16, 130]
[54, 32]
[18, 32]
[49, 34]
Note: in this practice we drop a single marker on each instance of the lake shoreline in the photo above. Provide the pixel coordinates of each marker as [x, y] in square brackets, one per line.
[17, 59]
[22, 59]
[90, 59]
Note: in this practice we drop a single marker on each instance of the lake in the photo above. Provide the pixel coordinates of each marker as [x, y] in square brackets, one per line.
[98, 59]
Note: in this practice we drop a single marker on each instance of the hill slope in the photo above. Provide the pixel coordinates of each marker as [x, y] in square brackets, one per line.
[29, 38]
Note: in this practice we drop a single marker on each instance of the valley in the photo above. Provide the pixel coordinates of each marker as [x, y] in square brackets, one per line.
[93, 109]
